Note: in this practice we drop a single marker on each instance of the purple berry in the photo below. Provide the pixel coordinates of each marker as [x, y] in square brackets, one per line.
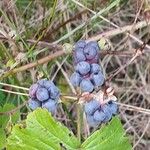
[95, 68]
[91, 121]
[86, 85]
[113, 107]
[41, 82]
[50, 105]
[42, 94]
[91, 106]
[48, 84]
[79, 56]
[108, 114]
[90, 52]
[83, 67]
[80, 44]
[32, 90]
[45, 83]
[99, 116]
[33, 104]
[93, 44]
[94, 60]
[54, 92]
[97, 79]
[75, 79]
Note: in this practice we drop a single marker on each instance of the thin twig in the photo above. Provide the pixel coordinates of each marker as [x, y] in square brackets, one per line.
[66, 22]
[75, 98]
[31, 65]
[43, 44]
[66, 77]
[120, 30]
[113, 4]
[138, 53]
[13, 92]
[14, 86]
[55, 55]
[79, 116]
[128, 107]
[60, 66]
[135, 108]
[141, 135]
[129, 28]
[61, 52]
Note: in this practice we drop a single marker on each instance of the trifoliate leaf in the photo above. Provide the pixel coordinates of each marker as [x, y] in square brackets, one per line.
[42, 132]
[109, 137]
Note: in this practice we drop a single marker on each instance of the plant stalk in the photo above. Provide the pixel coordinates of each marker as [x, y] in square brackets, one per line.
[79, 121]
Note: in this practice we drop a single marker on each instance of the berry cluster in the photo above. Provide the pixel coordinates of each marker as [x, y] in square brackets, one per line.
[97, 113]
[88, 52]
[88, 76]
[44, 94]
[88, 73]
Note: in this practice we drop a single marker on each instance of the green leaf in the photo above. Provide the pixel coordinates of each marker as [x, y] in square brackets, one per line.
[41, 132]
[108, 137]
[2, 138]
[5, 118]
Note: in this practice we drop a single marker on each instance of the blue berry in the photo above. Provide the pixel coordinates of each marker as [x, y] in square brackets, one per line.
[90, 52]
[91, 121]
[95, 68]
[97, 79]
[91, 106]
[42, 94]
[97, 113]
[80, 44]
[94, 60]
[108, 114]
[86, 85]
[83, 67]
[50, 105]
[41, 82]
[33, 104]
[79, 56]
[48, 84]
[54, 92]
[93, 44]
[32, 90]
[113, 107]
[99, 116]
[75, 79]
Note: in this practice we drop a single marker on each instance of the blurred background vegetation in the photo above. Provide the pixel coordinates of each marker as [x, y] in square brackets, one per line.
[33, 29]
